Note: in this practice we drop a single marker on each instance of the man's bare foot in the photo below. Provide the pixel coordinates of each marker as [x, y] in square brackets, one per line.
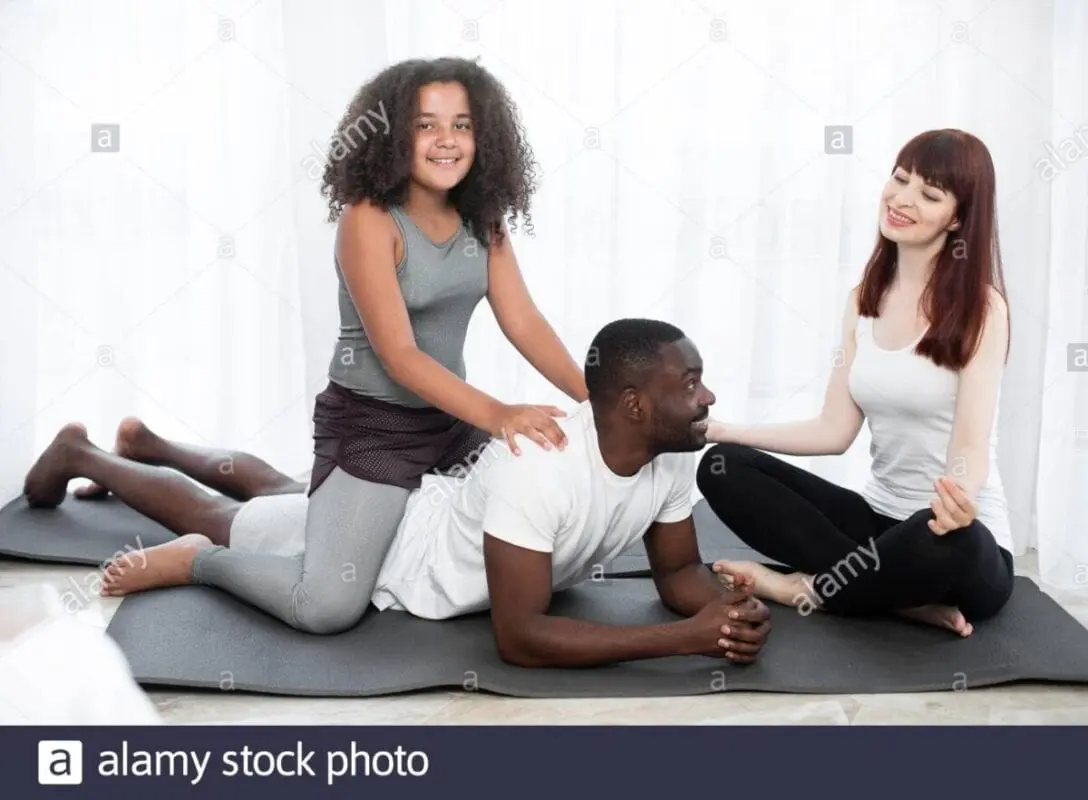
[942, 616]
[46, 483]
[767, 583]
[134, 441]
[154, 568]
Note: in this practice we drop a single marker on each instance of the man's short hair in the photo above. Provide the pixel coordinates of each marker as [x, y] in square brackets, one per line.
[622, 353]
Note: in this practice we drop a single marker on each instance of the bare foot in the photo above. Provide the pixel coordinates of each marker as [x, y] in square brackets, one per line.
[46, 483]
[942, 616]
[767, 583]
[154, 568]
[134, 441]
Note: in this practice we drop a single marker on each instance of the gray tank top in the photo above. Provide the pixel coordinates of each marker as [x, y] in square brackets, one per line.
[442, 283]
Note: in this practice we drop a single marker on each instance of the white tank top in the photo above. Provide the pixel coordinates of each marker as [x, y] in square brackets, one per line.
[910, 404]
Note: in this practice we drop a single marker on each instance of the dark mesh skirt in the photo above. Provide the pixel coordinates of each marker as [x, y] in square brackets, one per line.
[388, 443]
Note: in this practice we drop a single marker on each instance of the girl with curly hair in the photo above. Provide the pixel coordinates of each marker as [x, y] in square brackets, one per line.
[429, 166]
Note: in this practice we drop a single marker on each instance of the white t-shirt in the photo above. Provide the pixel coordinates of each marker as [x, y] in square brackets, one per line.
[567, 503]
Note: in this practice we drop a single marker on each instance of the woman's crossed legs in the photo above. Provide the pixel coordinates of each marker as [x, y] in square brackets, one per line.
[848, 558]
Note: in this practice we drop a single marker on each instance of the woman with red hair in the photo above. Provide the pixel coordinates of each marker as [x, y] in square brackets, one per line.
[925, 342]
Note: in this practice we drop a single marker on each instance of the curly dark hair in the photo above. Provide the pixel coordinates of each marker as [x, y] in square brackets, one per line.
[376, 165]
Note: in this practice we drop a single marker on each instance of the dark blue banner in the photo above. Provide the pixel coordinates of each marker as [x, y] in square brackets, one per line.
[549, 762]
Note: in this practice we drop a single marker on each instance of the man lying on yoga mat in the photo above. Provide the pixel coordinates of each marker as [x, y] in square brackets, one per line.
[926, 335]
[514, 529]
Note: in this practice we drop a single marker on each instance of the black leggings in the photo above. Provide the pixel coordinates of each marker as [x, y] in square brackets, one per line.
[863, 562]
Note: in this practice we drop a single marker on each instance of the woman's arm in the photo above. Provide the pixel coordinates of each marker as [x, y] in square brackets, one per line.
[968, 457]
[525, 327]
[831, 432]
[365, 246]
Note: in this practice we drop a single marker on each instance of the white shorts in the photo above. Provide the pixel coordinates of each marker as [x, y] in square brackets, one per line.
[272, 525]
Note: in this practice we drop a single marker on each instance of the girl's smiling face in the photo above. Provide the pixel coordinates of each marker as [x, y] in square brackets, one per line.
[444, 141]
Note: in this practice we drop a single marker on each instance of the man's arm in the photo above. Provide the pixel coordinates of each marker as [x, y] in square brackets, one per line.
[519, 581]
[687, 587]
[683, 582]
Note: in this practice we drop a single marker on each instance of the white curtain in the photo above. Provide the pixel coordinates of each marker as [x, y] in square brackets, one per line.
[685, 174]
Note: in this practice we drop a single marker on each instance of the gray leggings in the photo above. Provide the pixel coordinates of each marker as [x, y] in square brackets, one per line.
[350, 524]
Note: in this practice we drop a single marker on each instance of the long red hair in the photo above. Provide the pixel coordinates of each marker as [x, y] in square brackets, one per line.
[956, 297]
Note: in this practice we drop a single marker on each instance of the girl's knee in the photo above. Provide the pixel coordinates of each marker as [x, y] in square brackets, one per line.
[329, 615]
[331, 605]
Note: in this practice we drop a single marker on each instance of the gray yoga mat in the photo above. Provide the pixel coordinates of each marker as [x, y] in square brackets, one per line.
[194, 636]
[93, 532]
[84, 532]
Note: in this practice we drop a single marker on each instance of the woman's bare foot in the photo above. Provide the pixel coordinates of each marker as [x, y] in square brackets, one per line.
[46, 483]
[789, 590]
[154, 568]
[942, 616]
[135, 441]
